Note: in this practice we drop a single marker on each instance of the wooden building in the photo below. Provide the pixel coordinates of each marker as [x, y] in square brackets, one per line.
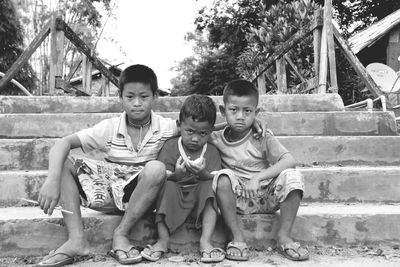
[380, 42]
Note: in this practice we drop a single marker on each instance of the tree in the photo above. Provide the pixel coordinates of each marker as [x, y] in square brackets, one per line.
[11, 46]
[222, 29]
[228, 28]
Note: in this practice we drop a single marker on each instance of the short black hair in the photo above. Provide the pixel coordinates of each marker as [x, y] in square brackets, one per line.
[138, 73]
[240, 87]
[199, 108]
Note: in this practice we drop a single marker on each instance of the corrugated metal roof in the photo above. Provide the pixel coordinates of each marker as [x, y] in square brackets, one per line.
[374, 32]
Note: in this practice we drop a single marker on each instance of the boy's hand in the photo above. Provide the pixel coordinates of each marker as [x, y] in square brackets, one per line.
[196, 168]
[258, 129]
[180, 169]
[250, 188]
[49, 196]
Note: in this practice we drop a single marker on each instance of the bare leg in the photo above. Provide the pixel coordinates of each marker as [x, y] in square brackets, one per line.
[208, 225]
[227, 204]
[151, 180]
[289, 209]
[162, 242]
[77, 243]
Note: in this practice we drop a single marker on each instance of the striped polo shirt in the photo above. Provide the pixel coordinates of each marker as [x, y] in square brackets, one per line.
[111, 137]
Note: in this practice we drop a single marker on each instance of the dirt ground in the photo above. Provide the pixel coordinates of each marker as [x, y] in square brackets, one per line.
[320, 256]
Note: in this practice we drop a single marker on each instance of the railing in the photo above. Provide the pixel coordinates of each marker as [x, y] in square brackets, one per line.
[20, 86]
[369, 104]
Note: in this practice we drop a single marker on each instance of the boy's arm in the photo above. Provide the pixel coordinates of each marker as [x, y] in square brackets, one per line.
[220, 126]
[285, 162]
[50, 192]
[258, 128]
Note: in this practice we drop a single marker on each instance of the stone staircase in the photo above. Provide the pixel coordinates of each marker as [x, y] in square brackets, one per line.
[350, 160]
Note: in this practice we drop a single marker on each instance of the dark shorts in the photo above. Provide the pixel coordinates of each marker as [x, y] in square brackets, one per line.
[177, 203]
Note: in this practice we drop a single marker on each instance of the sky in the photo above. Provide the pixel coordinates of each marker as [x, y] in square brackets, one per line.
[150, 32]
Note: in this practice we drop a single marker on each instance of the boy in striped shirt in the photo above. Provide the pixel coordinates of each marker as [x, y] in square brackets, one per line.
[128, 179]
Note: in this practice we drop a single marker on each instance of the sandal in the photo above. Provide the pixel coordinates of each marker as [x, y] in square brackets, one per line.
[128, 260]
[69, 259]
[294, 247]
[148, 252]
[206, 255]
[241, 247]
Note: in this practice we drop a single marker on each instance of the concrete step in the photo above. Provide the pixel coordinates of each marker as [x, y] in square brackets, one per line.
[62, 104]
[27, 231]
[282, 123]
[329, 184]
[32, 154]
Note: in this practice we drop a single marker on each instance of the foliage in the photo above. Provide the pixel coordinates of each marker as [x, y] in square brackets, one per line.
[82, 16]
[354, 16]
[11, 46]
[233, 37]
[278, 24]
[219, 39]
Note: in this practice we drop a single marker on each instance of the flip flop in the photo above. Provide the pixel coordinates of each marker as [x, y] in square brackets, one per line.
[128, 260]
[68, 260]
[152, 251]
[294, 246]
[241, 247]
[206, 256]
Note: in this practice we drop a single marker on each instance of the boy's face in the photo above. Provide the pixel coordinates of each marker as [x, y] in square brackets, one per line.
[195, 133]
[137, 100]
[240, 112]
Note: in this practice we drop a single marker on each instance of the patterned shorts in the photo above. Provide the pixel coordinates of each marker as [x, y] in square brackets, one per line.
[104, 186]
[270, 194]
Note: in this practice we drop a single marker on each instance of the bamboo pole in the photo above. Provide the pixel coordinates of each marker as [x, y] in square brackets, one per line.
[330, 46]
[281, 75]
[317, 41]
[261, 84]
[323, 66]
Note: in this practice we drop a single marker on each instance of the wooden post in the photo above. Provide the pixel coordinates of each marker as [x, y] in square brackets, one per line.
[281, 75]
[86, 75]
[317, 33]
[393, 49]
[106, 84]
[261, 84]
[330, 46]
[294, 68]
[323, 67]
[84, 49]
[24, 57]
[357, 65]
[56, 56]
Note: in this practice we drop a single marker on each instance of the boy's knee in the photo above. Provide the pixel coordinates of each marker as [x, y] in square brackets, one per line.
[224, 183]
[69, 167]
[154, 172]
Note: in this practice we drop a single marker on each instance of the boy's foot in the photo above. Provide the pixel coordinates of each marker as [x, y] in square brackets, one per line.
[153, 253]
[237, 251]
[291, 250]
[294, 251]
[129, 256]
[210, 254]
[68, 253]
[123, 251]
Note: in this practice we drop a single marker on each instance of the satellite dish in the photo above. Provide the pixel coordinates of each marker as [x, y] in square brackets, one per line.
[385, 77]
